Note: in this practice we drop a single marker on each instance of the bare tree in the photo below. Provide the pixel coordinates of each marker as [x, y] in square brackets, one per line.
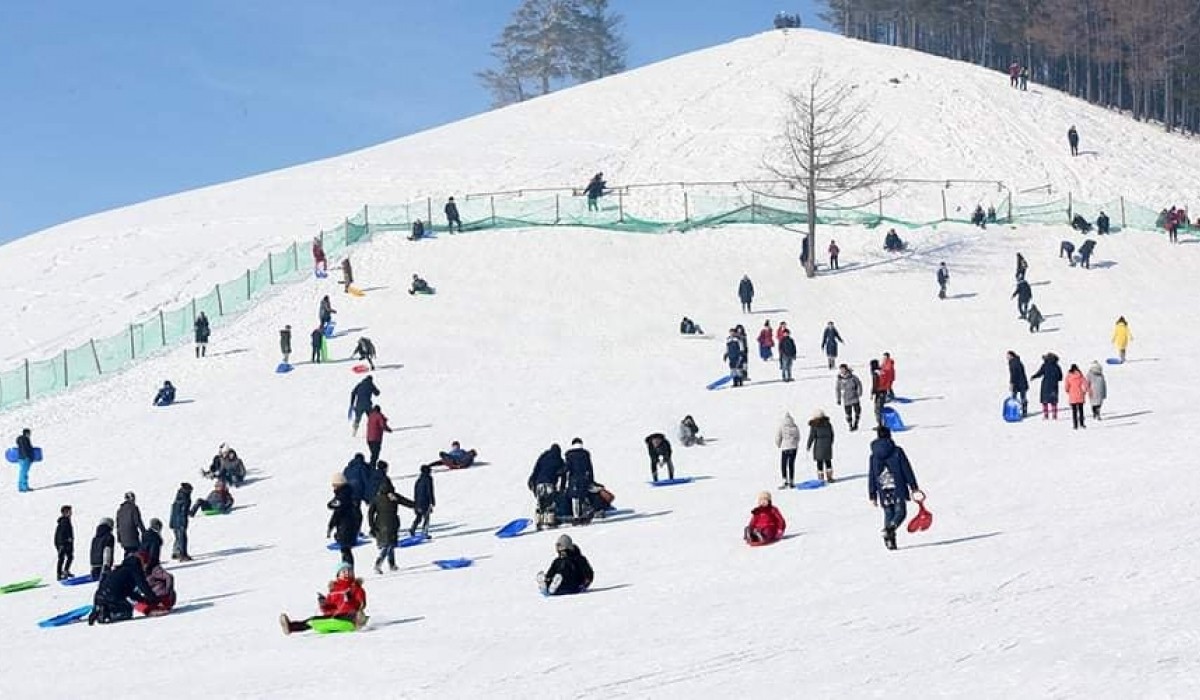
[826, 149]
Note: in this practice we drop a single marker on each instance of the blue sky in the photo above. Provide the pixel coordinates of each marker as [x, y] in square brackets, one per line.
[107, 104]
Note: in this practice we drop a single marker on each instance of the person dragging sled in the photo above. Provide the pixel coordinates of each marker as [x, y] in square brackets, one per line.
[766, 522]
[346, 600]
[569, 573]
[659, 449]
[890, 483]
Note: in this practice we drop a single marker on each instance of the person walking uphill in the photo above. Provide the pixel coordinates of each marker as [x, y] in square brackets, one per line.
[423, 501]
[787, 354]
[130, 528]
[820, 441]
[746, 293]
[64, 543]
[1073, 140]
[385, 524]
[1078, 390]
[1121, 337]
[849, 395]
[829, 343]
[787, 439]
[202, 330]
[361, 400]
[181, 512]
[1018, 383]
[452, 218]
[345, 520]
[890, 483]
[24, 459]
[1050, 374]
[377, 425]
[1099, 386]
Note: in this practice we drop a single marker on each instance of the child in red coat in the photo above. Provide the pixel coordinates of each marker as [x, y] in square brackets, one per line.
[347, 599]
[766, 522]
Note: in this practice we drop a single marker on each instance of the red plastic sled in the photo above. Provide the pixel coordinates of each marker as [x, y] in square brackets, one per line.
[923, 519]
[359, 369]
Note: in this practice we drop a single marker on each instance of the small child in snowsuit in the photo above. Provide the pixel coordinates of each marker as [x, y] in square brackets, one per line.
[1034, 316]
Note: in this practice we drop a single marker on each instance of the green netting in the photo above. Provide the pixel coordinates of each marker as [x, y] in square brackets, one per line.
[283, 265]
[260, 278]
[114, 353]
[235, 297]
[12, 387]
[177, 324]
[81, 365]
[46, 376]
[145, 339]
[356, 232]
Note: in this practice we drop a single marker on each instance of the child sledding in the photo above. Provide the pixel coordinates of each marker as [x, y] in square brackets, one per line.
[766, 523]
[346, 601]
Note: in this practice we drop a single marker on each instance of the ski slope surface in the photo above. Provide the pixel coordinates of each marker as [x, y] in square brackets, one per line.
[704, 116]
[1060, 562]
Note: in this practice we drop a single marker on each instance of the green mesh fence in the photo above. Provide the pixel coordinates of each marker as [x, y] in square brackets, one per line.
[655, 209]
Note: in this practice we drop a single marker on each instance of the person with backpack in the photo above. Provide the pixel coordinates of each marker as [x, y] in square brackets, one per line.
[820, 441]
[890, 483]
[1018, 383]
[25, 455]
[1050, 374]
[829, 343]
[452, 217]
[787, 354]
[569, 573]
[848, 392]
[181, 513]
[201, 330]
[129, 524]
[787, 439]
[101, 551]
[943, 279]
[1078, 390]
[659, 449]
[1099, 385]
[745, 293]
[549, 476]
[64, 544]
[766, 341]
[285, 342]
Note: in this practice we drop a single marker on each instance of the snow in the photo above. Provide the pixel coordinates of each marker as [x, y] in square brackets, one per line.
[1059, 564]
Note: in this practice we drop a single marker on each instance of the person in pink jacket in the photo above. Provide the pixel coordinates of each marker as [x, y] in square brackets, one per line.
[1078, 390]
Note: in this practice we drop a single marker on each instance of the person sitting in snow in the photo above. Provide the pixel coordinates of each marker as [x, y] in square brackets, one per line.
[892, 242]
[163, 585]
[1080, 224]
[766, 522]
[365, 350]
[689, 432]
[226, 466]
[689, 327]
[219, 500]
[569, 573]
[111, 602]
[418, 230]
[165, 395]
[659, 449]
[346, 600]
[419, 286]
[979, 218]
[456, 458]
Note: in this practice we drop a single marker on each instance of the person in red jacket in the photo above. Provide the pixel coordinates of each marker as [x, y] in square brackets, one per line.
[377, 425]
[766, 341]
[346, 600]
[766, 522]
[318, 253]
[887, 376]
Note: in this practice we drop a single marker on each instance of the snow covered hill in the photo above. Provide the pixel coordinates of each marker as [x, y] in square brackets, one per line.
[1060, 562]
[704, 116]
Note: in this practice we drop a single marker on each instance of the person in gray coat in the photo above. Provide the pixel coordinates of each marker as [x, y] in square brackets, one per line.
[820, 441]
[787, 439]
[849, 394]
[1095, 377]
[130, 528]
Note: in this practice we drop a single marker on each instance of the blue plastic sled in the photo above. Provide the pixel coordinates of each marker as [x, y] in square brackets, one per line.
[892, 420]
[810, 484]
[901, 399]
[283, 368]
[720, 382]
[11, 454]
[1012, 411]
[412, 541]
[362, 539]
[1115, 361]
[77, 580]
[672, 482]
[513, 529]
[320, 274]
[461, 563]
[67, 618]
[327, 329]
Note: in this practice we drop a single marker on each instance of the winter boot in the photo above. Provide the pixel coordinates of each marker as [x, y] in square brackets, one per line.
[378, 568]
[783, 486]
[360, 620]
[829, 475]
[889, 537]
[541, 581]
[555, 584]
[285, 623]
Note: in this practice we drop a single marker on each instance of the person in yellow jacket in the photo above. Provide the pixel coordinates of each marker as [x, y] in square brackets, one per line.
[1121, 337]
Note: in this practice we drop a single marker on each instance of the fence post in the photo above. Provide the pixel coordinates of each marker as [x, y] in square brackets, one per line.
[1010, 219]
[1122, 212]
[557, 218]
[247, 285]
[429, 211]
[620, 207]
[132, 348]
[220, 304]
[366, 220]
[1070, 206]
[881, 206]
[66, 378]
[944, 217]
[296, 255]
[26, 380]
[492, 203]
[686, 216]
[162, 326]
[270, 268]
[95, 355]
[753, 205]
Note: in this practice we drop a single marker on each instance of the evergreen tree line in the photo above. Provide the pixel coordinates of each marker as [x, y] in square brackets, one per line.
[1141, 56]
[549, 44]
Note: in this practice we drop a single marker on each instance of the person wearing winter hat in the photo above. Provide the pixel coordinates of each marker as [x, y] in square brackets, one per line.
[346, 600]
[129, 524]
[580, 477]
[1095, 378]
[766, 522]
[111, 602]
[569, 573]
[890, 483]
[152, 543]
[345, 518]
[181, 512]
[820, 441]
[787, 439]
[103, 544]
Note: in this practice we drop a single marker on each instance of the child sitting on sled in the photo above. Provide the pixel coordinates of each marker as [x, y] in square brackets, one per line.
[766, 522]
[346, 600]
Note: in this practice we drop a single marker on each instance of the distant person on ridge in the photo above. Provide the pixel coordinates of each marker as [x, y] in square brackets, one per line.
[1014, 73]
[594, 191]
[1025, 77]
[1073, 140]
[452, 218]
[745, 293]
[202, 331]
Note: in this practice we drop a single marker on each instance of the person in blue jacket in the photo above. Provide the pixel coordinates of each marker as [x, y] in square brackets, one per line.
[423, 501]
[165, 395]
[890, 483]
[361, 399]
[358, 477]
[829, 343]
[24, 459]
[580, 477]
[746, 293]
[1050, 374]
[1018, 383]
[735, 356]
[549, 476]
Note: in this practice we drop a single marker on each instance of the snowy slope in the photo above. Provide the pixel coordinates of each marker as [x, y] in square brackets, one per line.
[699, 117]
[1060, 563]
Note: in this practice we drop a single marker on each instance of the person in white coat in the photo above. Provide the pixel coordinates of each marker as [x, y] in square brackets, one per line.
[787, 439]
[1095, 377]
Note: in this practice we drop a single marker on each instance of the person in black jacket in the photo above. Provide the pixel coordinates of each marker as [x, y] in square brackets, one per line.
[181, 512]
[549, 476]
[659, 449]
[1085, 254]
[1022, 267]
[129, 524]
[384, 523]
[285, 342]
[64, 542]
[569, 573]
[787, 354]
[202, 331]
[943, 279]
[580, 477]
[594, 191]
[829, 343]
[1018, 383]
[103, 544]
[111, 603]
[24, 459]
[152, 542]
[1073, 140]
[418, 230]
[165, 395]
[346, 518]
[746, 293]
[1023, 295]
[1050, 374]
[452, 218]
[360, 399]
[423, 501]
[365, 350]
